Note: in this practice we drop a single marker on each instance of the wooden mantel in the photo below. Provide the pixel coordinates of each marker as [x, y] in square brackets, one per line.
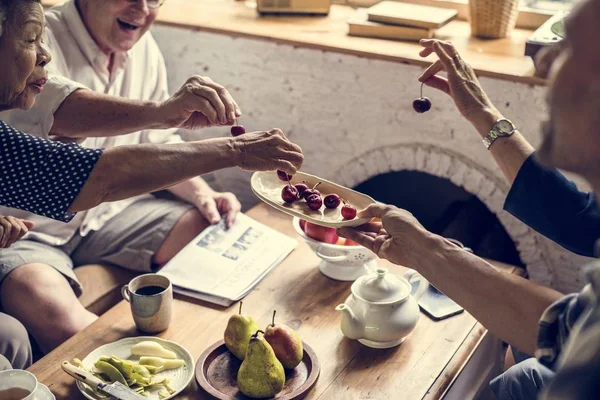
[502, 59]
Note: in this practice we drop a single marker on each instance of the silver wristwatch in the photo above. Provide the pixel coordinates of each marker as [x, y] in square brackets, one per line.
[502, 128]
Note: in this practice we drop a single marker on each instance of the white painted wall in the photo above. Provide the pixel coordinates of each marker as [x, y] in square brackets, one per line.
[341, 107]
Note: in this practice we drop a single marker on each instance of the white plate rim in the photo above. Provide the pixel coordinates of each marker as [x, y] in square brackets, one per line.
[294, 213]
[191, 368]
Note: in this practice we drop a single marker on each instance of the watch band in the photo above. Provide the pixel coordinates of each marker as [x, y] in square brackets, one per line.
[496, 133]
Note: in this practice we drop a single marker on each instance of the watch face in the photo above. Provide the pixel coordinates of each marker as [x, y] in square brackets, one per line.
[505, 127]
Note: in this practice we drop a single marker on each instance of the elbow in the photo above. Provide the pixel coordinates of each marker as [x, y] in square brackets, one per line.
[96, 190]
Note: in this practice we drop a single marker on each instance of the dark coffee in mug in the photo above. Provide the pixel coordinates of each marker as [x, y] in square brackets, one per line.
[149, 290]
[14, 393]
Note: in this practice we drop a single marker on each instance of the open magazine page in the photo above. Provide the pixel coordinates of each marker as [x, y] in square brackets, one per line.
[228, 263]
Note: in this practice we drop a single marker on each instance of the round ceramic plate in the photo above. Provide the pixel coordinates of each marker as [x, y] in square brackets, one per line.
[267, 187]
[216, 373]
[178, 378]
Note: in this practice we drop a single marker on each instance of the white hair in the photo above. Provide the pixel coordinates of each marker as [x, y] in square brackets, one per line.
[6, 6]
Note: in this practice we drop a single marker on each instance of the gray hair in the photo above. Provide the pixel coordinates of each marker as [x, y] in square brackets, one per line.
[7, 7]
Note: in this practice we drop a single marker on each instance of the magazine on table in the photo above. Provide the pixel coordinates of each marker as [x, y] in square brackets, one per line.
[222, 265]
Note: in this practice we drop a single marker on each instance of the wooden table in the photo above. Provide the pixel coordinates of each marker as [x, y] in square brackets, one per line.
[424, 366]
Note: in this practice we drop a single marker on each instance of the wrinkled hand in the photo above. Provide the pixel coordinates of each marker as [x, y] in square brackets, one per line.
[216, 205]
[268, 151]
[399, 237]
[200, 103]
[462, 83]
[13, 229]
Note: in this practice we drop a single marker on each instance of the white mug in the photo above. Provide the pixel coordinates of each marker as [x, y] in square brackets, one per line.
[18, 378]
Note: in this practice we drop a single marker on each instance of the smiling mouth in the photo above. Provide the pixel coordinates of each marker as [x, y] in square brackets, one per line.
[127, 26]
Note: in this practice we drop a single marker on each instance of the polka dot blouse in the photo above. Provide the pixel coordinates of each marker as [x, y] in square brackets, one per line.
[42, 176]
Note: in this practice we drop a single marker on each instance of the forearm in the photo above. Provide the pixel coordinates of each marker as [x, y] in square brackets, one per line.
[191, 189]
[509, 152]
[508, 305]
[127, 171]
[89, 114]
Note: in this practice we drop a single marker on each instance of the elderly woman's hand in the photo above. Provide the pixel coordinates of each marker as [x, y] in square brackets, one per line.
[267, 151]
[462, 84]
[199, 103]
[13, 229]
[399, 237]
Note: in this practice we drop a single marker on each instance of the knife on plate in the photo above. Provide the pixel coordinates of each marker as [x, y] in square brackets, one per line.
[115, 389]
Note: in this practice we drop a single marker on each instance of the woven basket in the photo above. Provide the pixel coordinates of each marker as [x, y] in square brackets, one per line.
[493, 19]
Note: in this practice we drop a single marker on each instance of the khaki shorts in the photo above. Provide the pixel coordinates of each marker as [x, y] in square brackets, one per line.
[128, 240]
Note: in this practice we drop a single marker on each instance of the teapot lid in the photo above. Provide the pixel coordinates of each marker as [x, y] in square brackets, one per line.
[381, 287]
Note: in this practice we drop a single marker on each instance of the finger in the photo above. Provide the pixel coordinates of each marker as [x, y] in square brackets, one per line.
[358, 237]
[29, 224]
[439, 83]
[16, 229]
[204, 107]
[295, 158]
[426, 52]
[6, 228]
[231, 217]
[227, 101]
[373, 227]
[375, 211]
[431, 71]
[208, 208]
[1, 236]
[24, 229]
[286, 166]
[377, 243]
[445, 58]
[215, 101]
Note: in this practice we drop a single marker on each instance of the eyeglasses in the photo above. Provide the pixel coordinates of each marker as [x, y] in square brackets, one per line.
[151, 3]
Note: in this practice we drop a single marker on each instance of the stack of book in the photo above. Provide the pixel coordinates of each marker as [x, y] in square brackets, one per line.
[399, 21]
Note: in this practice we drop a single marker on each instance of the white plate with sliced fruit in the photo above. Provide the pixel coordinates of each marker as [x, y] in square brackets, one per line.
[332, 205]
[169, 367]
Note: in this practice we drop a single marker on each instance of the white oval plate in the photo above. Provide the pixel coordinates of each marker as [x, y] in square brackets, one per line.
[178, 378]
[267, 186]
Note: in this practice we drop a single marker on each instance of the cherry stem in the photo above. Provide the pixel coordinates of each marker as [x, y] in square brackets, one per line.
[422, 83]
[257, 332]
[241, 302]
[318, 183]
[273, 320]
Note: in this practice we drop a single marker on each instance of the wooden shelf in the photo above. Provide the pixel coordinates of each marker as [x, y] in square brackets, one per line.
[502, 59]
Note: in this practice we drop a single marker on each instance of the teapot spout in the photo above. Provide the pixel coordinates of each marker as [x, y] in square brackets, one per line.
[351, 326]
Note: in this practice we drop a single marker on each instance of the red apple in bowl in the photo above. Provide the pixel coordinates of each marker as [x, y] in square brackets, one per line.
[321, 233]
[303, 224]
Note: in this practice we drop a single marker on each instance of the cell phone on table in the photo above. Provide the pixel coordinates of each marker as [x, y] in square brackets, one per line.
[437, 305]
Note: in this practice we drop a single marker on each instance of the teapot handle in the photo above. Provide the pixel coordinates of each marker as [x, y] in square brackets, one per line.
[411, 274]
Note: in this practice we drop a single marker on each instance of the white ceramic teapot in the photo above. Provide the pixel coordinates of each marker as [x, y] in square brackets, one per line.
[381, 311]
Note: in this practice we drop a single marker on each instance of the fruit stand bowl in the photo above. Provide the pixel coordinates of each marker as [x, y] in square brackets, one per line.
[341, 261]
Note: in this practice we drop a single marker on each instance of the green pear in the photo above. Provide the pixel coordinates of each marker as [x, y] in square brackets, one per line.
[285, 343]
[238, 332]
[261, 375]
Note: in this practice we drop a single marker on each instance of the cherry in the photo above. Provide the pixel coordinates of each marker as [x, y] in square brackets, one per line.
[301, 187]
[283, 175]
[314, 202]
[237, 130]
[310, 191]
[422, 104]
[332, 201]
[348, 211]
[289, 194]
